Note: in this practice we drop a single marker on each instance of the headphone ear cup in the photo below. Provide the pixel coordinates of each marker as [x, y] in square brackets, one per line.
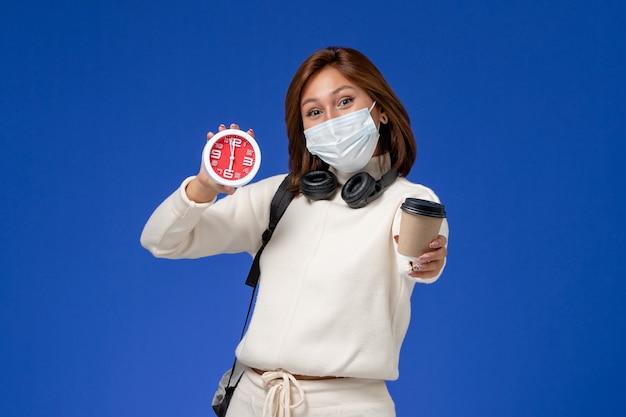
[319, 185]
[358, 189]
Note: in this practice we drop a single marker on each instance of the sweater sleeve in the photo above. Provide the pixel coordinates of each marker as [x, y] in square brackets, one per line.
[181, 228]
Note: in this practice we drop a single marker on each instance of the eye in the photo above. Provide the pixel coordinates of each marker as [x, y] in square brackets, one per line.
[313, 113]
[345, 101]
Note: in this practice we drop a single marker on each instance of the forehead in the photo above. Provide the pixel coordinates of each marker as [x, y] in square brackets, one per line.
[325, 83]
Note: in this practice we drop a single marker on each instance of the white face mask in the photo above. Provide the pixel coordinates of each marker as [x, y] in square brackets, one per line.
[346, 143]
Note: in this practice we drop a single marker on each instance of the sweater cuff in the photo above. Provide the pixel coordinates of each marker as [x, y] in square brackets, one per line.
[181, 204]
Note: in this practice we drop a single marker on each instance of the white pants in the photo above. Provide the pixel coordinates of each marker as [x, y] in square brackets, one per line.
[278, 394]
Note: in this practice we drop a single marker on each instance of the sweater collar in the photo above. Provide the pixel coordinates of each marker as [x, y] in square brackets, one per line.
[376, 167]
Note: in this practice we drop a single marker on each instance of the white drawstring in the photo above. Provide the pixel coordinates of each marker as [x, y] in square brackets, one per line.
[278, 399]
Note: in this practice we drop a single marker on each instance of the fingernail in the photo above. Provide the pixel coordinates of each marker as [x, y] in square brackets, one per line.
[222, 125]
[434, 244]
[424, 259]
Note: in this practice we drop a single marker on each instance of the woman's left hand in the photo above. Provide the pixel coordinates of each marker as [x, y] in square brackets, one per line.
[429, 264]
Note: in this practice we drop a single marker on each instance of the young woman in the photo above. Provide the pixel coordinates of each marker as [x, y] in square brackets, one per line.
[333, 303]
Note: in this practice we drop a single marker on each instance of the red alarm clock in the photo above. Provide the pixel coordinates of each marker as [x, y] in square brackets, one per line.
[231, 157]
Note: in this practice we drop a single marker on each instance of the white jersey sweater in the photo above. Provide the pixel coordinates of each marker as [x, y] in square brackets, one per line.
[333, 297]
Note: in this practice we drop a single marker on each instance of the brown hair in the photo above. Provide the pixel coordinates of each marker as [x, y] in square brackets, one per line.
[396, 136]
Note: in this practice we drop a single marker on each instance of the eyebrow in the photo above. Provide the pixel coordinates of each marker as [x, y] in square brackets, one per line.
[333, 93]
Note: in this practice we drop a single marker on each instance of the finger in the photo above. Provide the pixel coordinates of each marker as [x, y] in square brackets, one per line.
[435, 255]
[425, 270]
[439, 242]
[224, 188]
[228, 190]
[209, 135]
[251, 132]
[222, 127]
[418, 266]
[423, 275]
[234, 126]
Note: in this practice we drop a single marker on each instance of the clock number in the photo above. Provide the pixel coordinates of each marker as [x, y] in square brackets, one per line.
[247, 161]
[236, 142]
[228, 173]
[216, 154]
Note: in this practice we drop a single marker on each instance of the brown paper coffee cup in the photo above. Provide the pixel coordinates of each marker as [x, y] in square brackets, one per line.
[419, 225]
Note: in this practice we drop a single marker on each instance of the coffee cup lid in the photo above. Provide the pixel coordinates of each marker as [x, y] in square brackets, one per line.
[424, 207]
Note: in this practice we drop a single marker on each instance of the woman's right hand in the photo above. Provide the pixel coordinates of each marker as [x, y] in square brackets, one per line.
[203, 189]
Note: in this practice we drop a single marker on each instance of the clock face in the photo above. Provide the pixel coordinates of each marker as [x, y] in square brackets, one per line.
[231, 157]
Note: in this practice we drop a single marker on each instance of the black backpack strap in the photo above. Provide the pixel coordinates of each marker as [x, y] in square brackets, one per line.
[280, 202]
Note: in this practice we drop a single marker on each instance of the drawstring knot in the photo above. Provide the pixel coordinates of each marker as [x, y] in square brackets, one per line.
[278, 399]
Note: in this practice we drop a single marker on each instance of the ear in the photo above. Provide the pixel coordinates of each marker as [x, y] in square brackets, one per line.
[383, 117]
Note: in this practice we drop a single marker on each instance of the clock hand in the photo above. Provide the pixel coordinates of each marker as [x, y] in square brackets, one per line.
[232, 155]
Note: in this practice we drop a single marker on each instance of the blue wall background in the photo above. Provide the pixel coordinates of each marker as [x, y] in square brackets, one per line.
[519, 109]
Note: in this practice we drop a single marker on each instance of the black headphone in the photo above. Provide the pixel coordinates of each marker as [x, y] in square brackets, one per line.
[357, 192]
